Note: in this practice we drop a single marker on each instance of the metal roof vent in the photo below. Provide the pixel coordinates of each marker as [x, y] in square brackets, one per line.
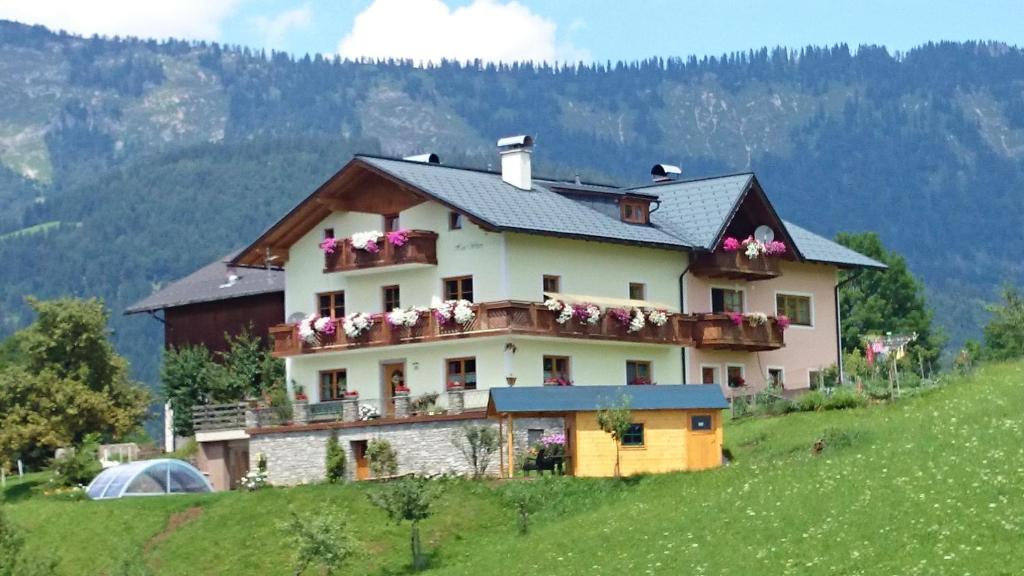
[515, 154]
[665, 172]
[429, 158]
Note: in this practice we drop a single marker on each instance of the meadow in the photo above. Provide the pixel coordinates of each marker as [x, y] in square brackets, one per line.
[932, 484]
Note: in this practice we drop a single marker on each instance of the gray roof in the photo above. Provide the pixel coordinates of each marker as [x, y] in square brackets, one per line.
[590, 398]
[818, 249]
[696, 210]
[485, 196]
[210, 284]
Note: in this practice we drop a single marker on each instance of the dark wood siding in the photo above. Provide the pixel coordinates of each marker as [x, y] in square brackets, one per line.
[206, 322]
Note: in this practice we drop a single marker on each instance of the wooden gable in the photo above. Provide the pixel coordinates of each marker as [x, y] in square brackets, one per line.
[752, 210]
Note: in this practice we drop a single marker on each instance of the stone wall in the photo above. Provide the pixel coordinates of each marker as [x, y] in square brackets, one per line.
[298, 457]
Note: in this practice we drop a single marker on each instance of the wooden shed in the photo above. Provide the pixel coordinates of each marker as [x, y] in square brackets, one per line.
[675, 427]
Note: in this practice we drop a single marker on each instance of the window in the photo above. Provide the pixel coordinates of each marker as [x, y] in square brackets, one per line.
[460, 288]
[634, 211]
[552, 284]
[814, 379]
[734, 375]
[700, 422]
[638, 372]
[726, 300]
[797, 308]
[556, 371]
[328, 233]
[533, 436]
[709, 375]
[390, 222]
[392, 298]
[333, 384]
[637, 291]
[776, 378]
[463, 371]
[454, 221]
[634, 436]
[331, 304]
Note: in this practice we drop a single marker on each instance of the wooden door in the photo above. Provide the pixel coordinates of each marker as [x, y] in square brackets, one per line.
[703, 447]
[359, 455]
[392, 376]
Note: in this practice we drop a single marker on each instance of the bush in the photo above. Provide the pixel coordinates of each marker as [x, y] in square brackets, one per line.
[780, 406]
[838, 438]
[477, 444]
[382, 457]
[843, 398]
[78, 465]
[811, 401]
[741, 407]
[318, 539]
[335, 460]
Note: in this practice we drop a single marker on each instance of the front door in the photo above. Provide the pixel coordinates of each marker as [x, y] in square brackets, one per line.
[359, 455]
[393, 376]
[703, 449]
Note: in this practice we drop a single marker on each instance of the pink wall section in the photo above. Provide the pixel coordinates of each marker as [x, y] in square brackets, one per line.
[807, 348]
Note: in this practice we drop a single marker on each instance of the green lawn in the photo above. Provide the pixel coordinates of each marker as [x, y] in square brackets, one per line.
[931, 485]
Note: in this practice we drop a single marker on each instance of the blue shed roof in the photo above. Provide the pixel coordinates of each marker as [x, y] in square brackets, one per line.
[591, 398]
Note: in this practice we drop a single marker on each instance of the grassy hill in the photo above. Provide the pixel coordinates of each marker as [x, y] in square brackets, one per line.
[930, 485]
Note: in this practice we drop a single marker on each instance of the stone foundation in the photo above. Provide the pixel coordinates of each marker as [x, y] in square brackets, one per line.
[298, 456]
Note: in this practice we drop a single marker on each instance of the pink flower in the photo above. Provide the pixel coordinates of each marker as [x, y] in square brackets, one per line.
[622, 315]
[730, 244]
[782, 321]
[329, 245]
[371, 247]
[330, 327]
[736, 318]
[398, 237]
[775, 248]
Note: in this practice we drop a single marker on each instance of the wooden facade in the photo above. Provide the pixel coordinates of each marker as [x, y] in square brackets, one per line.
[205, 323]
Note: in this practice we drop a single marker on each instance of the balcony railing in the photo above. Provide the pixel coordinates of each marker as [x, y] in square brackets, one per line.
[421, 248]
[718, 331]
[212, 417]
[492, 318]
[736, 266]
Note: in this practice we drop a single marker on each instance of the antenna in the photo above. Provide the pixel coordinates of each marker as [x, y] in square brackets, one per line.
[764, 233]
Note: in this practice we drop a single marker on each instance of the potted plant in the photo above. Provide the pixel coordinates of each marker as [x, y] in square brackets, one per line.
[300, 393]
[402, 389]
[455, 385]
[350, 395]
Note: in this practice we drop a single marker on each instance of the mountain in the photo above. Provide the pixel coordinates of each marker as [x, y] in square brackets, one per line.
[127, 163]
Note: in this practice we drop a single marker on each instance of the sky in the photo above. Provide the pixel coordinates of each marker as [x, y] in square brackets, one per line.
[503, 30]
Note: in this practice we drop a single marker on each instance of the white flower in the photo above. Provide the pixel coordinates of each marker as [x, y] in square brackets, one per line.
[321, 324]
[306, 329]
[754, 249]
[360, 240]
[657, 317]
[565, 315]
[463, 312]
[554, 305]
[355, 325]
[756, 318]
[637, 323]
[593, 314]
[407, 317]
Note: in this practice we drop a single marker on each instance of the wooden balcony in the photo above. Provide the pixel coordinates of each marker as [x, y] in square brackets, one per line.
[719, 332]
[421, 249]
[492, 318]
[735, 266]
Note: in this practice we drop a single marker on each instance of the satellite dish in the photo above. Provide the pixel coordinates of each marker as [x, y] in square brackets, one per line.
[764, 233]
[296, 317]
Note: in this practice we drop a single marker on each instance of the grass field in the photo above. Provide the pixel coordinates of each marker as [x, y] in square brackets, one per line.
[930, 485]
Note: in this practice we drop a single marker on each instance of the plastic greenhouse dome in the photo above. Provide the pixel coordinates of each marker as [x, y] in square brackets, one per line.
[148, 478]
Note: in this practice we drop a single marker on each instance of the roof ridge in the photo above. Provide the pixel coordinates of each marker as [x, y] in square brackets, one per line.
[692, 180]
[484, 171]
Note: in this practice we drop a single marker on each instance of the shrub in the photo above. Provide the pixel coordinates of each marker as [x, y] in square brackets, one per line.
[780, 406]
[256, 479]
[281, 403]
[408, 499]
[844, 398]
[320, 539]
[78, 465]
[477, 444]
[425, 403]
[335, 460]
[811, 401]
[839, 438]
[382, 457]
[524, 499]
[12, 558]
[741, 407]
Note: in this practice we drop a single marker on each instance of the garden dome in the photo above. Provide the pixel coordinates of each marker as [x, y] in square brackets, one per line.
[148, 478]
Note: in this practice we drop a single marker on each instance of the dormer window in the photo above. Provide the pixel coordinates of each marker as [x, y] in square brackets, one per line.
[635, 211]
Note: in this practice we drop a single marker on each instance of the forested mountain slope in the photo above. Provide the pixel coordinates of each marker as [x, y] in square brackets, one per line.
[127, 163]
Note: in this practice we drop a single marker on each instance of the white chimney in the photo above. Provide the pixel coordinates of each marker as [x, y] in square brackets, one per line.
[515, 154]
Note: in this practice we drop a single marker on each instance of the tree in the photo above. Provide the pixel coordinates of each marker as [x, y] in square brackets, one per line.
[408, 499]
[880, 301]
[478, 444]
[616, 420]
[319, 538]
[524, 500]
[1004, 334]
[335, 460]
[383, 458]
[67, 382]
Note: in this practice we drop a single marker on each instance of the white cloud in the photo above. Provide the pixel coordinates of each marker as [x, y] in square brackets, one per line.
[190, 19]
[275, 29]
[428, 30]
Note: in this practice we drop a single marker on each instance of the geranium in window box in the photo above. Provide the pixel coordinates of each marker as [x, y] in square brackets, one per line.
[782, 322]
[402, 390]
[398, 238]
[455, 386]
[350, 395]
[315, 329]
[557, 381]
[641, 381]
[632, 319]
[329, 245]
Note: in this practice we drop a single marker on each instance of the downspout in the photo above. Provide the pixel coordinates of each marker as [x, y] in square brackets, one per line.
[839, 325]
[682, 309]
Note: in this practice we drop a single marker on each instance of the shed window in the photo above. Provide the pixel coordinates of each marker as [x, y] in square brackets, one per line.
[634, 436]
[700, 422]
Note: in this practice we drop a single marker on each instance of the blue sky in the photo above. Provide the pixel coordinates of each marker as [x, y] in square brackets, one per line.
[529, 29]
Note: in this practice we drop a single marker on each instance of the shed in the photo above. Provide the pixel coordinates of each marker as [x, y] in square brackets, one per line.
[675, 427]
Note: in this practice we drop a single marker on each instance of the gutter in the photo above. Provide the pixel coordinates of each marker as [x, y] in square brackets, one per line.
[839, 323]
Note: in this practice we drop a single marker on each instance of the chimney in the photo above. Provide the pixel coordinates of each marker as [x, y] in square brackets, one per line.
[665, 172]
[515, 154]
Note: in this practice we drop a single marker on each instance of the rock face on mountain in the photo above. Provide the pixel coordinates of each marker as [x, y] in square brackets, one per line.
[127, 163]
